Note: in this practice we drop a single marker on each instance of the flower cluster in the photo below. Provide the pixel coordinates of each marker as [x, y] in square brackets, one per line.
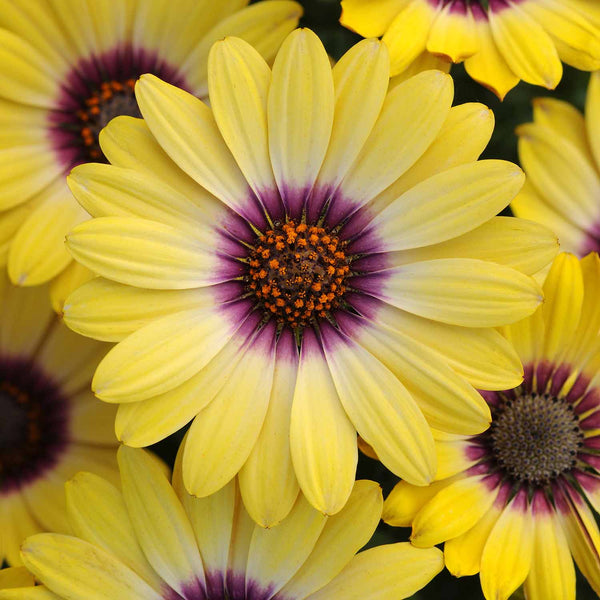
[213, 230]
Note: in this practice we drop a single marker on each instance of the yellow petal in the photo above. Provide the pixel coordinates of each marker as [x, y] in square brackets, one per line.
[383, 412]
[267, 480]
[77, 569]
[406, 37]
[264, 25]
[212, 520]
[453, 34]
[97, 514]
[507, 555]
[15, 577]
[237, 413]
[552, 573]
[239, 80]
[343, 535]
[161, 355]
[73, 276]
[447, 401]
[187, 132]
[159, 521]
[462, 138]
[569, 186]
[592, 115]
[526, 47]
[406, 500]
[110, 191]
[529, 204]
[360, 80]
[322, 438]
[436, 290]
[144, 253]
[448, 204]
[276, 554]
[462, 554]
[452, 511]
[149, 421]
[300, 115]
[522, 245]
[488, 66]
[561, 311]
[110, 311]
[576, 38]
[482, 356]
[370, 19]
[394, 571]
[410, 119]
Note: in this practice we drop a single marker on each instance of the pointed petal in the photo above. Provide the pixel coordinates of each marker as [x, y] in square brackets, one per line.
[383, 412]
[322, 438]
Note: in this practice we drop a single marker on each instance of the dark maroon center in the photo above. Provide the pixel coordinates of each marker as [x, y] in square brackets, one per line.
[33, 423]
[96, 90]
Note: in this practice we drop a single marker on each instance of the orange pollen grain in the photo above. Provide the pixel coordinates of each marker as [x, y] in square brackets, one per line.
[302, 272]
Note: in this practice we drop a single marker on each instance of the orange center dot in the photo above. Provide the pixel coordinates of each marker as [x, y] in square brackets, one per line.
[298, 273]
[112, 99]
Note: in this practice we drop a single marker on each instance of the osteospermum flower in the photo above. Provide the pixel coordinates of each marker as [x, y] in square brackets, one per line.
[500, 41]
[155, 542]
[307, 259]
[513, 502]
[51, 426]
[560, 151]
[67, 68]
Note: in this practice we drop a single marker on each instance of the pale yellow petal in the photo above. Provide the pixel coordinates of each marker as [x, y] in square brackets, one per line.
[526, 47]
[77, 569]
[592, 115]
[436, 289]
[15, 577]
[343, 535]
[136, 368]
[322, 438]
[383, 412]
[224, 432]
[452, 511]
[300, 115]
[159, 521]
[507, 555]
[390, 571]
[267, 480]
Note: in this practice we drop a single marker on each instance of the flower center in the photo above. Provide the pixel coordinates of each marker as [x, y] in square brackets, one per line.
[96, 90]
[112, 99]
[535, 438]
[297, 273]
[33, 423]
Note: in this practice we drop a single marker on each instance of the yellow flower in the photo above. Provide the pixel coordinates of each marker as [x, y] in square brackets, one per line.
[560, 152]
[67, 68]
[310, 258]
[500, 41]
[51, 426]
[154, 541]
[512, 503]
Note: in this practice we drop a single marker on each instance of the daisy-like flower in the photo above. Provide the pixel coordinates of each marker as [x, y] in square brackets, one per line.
[67, 68]
[500, 41]
[513, 503]
[156, 542]
[560, 152]
[51, 426]
[309, 258]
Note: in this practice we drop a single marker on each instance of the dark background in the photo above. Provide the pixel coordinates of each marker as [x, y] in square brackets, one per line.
[322, 17]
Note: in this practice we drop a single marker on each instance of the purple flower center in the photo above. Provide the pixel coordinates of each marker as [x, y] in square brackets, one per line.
[33, 423]
[95, 91]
